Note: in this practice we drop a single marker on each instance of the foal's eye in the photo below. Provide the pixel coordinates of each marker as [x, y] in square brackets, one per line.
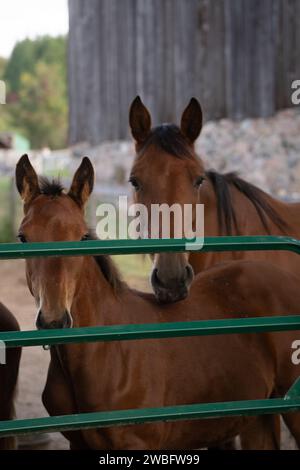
[198, 181]
[21, 238]
[134, 182]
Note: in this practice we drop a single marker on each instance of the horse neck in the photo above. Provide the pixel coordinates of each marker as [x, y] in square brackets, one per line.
[98, 302]
[248, 221]
[95, 300]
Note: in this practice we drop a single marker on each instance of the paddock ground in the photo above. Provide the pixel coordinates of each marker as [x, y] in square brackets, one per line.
[15, 295]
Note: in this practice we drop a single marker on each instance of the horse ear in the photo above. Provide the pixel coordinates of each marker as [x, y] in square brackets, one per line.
[83, 182]
[26, 180]
[191, 120]
[139, 120]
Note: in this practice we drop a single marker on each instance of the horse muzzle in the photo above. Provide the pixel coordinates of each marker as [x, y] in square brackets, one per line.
[42, 323]
[172, 290]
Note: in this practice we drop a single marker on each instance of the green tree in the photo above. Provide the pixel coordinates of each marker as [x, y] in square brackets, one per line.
[35, 77]
[4, 114]
[3, 63]
[42, 106]
[27, 53]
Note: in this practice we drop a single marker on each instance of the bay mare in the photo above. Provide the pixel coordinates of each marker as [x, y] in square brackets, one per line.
[166, 169]
[8, 376]
[87, 291]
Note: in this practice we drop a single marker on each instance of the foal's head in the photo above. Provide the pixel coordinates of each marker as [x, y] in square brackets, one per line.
[50, 214]
[166, 170]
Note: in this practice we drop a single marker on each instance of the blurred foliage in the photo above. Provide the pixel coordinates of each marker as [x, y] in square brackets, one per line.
[42, 106]
[3, 63]
[6, 225]
[35, 77]
[27, 53]
[4, 117]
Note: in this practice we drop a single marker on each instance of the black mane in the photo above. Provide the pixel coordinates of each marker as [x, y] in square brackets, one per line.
[50, 188]
[108, 268]
[169, 138]
[227, 218]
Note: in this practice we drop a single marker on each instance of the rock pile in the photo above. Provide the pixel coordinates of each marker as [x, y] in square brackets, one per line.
[263, 151]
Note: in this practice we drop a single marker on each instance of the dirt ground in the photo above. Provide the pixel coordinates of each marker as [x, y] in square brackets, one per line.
[15, 295]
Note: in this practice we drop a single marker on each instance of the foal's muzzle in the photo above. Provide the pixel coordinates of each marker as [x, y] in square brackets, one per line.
[64, 322]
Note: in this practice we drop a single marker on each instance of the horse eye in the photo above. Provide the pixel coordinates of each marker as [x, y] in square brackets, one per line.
[199, 181]
[134, 182]
[22, 238]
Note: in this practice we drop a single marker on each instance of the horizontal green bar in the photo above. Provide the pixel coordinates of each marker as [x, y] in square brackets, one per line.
[294, 391]
[148, 415]
[150, 330]
[117, 247]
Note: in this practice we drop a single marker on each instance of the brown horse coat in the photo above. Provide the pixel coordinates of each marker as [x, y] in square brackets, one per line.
[8, 375]
[167, 170]
[137, 374]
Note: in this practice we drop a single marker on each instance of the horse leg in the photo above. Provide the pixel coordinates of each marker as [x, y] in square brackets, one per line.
[10, 442]
[8, 379]
[58, 399]
[262, 434]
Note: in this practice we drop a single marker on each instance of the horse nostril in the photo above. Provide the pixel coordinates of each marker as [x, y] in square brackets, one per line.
[39, 323]
[155, 279]
[180, 282]
[189, 274]
[65, 321]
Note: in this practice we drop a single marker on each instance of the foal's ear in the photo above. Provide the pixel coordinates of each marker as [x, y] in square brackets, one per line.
[83, 182]
[191, 120]
[26, 180]
[139, 120]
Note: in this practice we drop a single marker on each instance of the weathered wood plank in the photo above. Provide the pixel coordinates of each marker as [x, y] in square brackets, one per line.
[238, 57]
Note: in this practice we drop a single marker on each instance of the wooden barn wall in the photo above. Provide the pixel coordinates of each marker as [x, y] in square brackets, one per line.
[238, 57]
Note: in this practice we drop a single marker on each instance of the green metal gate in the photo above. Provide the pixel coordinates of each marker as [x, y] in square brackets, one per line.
[289, 403]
